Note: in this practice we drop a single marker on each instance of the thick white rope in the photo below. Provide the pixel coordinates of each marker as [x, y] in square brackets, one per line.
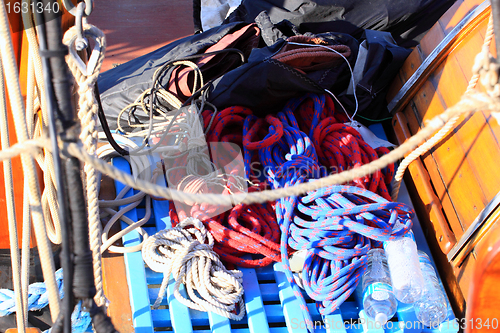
[188, 255]
[19, 115]
[11, 211]
[45, 161]
[87, 114]
[443, 132]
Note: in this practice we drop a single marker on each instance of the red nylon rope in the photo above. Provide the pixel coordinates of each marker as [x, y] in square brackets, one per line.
[253, 229]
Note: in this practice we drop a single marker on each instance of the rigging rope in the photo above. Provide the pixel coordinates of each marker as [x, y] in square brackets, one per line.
[19, 115]
[11, 212]
[87, 114]
[476, 102]
[336, 248]
[38, 299]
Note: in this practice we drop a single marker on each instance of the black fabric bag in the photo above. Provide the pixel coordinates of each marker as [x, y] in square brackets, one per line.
[383, 61]
[264, 84]
[120, 86]
[407, 20]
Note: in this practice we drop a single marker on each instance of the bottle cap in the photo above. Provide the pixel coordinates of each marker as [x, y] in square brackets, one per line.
[381, 318]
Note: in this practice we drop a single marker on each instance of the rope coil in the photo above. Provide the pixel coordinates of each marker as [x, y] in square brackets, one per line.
[186, 252]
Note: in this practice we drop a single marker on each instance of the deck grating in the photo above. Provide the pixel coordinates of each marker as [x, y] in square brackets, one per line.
[270, 304]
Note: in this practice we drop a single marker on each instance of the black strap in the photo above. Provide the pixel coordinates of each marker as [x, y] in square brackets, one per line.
[53, 53]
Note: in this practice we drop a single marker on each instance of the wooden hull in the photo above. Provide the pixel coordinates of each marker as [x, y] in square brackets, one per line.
[456, 180]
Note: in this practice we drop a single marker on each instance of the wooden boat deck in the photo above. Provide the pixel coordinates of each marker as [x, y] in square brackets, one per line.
[134, 28]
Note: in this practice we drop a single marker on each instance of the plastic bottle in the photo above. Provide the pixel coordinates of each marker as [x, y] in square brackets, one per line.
[379, 301]
[431, 309]
[404, 267]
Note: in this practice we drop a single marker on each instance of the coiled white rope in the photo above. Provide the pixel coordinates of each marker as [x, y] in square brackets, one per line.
[186, 252]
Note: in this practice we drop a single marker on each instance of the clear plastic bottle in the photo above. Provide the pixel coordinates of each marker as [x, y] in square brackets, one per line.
[404, 267]
[379, 301]
[431, 309]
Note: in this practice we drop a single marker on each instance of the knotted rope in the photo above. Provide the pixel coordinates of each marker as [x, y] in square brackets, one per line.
[186, 252]
[87, 114]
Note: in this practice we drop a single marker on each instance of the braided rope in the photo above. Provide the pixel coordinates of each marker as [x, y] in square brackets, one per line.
[186, 252]
[87, 114]
[38, 298]
[425, 147]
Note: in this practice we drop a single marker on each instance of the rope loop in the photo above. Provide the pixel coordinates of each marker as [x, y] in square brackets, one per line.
[186, 252]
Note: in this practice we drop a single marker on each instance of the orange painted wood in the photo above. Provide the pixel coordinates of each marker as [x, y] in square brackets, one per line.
[21, 49]
[28, 330]
[15, 22]
[484, 299]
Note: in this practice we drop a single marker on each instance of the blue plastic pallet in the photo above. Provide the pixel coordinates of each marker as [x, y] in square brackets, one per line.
[269, 300]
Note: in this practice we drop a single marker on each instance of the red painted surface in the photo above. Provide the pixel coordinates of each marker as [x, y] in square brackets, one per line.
[137, 27]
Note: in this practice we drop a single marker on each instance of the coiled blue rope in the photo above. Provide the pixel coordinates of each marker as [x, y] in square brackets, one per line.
[38, 298]
[337, 225]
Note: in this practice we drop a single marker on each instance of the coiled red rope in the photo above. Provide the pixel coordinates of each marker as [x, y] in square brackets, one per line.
[253, 229]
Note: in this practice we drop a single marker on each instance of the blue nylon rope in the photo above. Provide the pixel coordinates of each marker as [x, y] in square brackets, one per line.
[38, 299]
[336, 225]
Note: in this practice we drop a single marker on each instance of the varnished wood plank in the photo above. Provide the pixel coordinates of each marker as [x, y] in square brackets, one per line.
[477, 142]
[456, 12]
[409, 67]
[114, 276]
[431, 39]
[447, 164]
[116, 290]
